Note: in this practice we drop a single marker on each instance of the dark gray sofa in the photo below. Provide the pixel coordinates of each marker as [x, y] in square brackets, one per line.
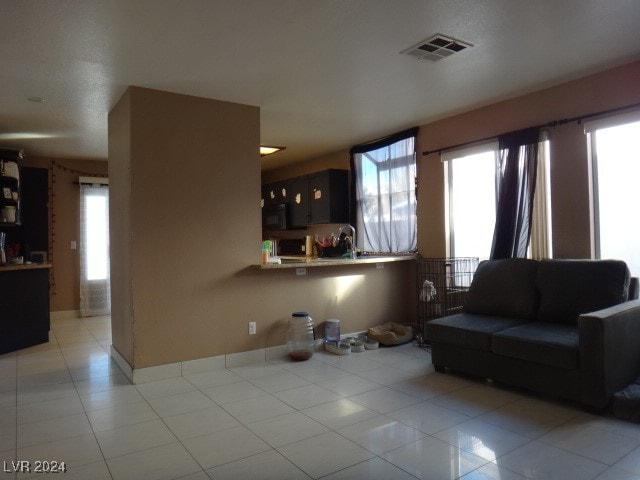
[568, 328]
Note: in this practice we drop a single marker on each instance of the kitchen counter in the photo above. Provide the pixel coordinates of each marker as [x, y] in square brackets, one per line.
[32, 266]
[300, 261]
[24, 303]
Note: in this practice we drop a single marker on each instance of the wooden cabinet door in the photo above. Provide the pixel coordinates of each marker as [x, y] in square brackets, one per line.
[299, 201]
[329, 197]
[277, 192]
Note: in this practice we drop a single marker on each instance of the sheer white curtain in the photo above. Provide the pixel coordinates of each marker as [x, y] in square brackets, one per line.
[95, 285]
[385, 200]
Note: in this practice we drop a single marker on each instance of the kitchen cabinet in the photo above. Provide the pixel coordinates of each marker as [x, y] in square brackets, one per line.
[299, 206]
[32, 232]
[24, 303]
[329, 197]
[276, 193]
[317, 198]
[24, 289]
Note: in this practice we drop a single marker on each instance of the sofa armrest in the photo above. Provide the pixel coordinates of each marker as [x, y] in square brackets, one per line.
[609, 350]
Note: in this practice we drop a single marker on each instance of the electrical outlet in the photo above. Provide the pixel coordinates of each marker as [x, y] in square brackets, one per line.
[252, 328]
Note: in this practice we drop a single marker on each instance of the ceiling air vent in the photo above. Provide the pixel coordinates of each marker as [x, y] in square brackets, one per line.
[436, 48]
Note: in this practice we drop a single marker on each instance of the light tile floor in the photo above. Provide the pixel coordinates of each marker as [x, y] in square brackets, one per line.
[380, 414]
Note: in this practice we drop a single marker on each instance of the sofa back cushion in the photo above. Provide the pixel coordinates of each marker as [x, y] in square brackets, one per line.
[504, 287]
[569, 288]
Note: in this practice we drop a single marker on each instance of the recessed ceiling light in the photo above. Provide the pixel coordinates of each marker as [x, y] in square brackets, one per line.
[36, 99]
[268, 150]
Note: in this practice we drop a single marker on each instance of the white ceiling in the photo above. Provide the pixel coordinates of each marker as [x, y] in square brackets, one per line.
[327, 74]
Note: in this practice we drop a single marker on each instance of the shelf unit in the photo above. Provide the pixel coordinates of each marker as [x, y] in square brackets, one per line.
[10, 191]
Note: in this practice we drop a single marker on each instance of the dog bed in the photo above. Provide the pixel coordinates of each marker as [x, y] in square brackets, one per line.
[391, 334]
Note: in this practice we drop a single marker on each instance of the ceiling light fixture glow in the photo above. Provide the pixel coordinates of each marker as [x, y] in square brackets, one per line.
[268, 150]
[25, 136]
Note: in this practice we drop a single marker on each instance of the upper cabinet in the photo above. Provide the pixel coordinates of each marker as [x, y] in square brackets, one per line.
[317, 198]
[329, 197]
[275, 193]
[299, 207]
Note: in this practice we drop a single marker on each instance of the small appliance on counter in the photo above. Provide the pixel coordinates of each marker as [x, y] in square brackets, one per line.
[293, 246]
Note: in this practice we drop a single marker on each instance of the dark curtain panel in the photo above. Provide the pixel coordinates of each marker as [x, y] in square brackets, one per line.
[516, 185]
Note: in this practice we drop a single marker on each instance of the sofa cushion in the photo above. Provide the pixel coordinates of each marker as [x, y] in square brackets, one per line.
[504, 287]
[467, 330]
[569, 288]
[550, 344]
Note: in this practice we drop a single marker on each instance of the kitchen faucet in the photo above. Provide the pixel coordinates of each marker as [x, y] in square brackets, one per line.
[354, 254]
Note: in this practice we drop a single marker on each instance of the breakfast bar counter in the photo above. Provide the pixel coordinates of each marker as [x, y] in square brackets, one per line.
[301, 261]
[29, 266]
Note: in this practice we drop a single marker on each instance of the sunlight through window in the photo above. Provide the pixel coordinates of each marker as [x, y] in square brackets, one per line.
[472, 207]
[617, 176]
[97, 253]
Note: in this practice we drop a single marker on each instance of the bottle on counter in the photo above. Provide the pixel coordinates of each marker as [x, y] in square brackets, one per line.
[266, 251]
[300, 339]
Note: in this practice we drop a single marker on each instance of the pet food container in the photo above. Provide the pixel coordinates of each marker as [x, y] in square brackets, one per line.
[300, 341]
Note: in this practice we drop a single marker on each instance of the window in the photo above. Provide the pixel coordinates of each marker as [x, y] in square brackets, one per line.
[385, 200]
[615, 159]
[96, 213]
[95, 287]
[471, 185]
[471, 201]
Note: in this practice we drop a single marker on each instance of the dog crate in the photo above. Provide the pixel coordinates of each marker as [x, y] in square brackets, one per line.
[442, 285]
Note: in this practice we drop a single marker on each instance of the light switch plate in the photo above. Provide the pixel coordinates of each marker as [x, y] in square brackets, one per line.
[74, 245]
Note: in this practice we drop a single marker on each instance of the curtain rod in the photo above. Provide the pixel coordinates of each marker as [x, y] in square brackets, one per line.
[553, 124]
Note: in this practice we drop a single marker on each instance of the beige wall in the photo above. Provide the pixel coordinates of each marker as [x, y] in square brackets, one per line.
[194, 232]
[120, 146]
[569, 163]
[64, 208]
[339, 160]
[194, 175]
